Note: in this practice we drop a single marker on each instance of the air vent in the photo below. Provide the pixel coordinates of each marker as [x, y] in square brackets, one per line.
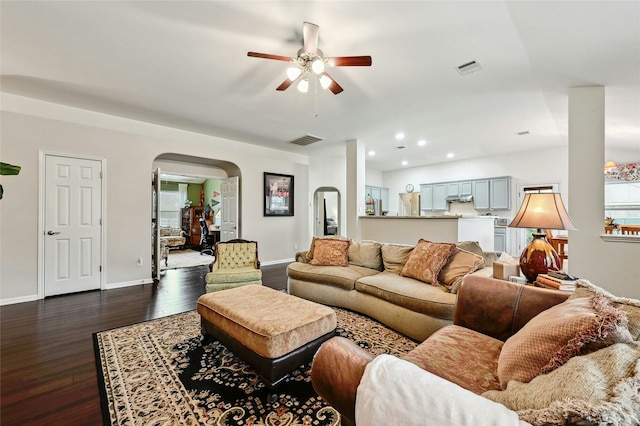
[469, 68]
[306, 140]
[400, 147]
[525, 132]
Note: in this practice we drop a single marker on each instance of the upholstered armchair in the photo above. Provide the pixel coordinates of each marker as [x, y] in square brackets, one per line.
[236, 264]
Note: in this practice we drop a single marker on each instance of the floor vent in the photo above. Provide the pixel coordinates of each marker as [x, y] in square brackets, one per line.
[306, 140]
[469, 68]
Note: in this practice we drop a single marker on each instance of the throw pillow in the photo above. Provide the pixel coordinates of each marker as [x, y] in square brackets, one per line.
[460, 263]
[426, 260]
[366, 254]
[471, 246]
[598, 387]
[314, 239]
[631, 307]
[331, 252]
[394, 256]
[550, 339]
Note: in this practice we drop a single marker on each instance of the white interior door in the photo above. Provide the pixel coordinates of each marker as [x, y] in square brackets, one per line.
[72, 225]
[229, 201]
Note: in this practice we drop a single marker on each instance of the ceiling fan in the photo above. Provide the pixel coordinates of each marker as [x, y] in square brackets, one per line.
[311, 61]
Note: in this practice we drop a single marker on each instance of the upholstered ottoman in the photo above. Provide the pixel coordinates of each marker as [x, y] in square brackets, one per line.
[272, 331]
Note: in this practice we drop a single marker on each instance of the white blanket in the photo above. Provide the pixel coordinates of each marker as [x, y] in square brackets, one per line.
[393, 391]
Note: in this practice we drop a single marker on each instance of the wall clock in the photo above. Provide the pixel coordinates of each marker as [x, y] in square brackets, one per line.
[409, 188]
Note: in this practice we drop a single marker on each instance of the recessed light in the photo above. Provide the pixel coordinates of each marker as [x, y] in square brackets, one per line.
[450, 155]
[422, 142]
[405, 162]
[399, 135]
[372, 153]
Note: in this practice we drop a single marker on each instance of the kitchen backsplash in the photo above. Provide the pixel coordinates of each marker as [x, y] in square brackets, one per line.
[463, 209]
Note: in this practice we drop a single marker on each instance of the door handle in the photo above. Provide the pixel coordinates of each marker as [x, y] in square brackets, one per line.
[52, 233]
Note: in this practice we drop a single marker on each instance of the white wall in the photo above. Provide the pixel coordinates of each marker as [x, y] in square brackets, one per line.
[129, 147]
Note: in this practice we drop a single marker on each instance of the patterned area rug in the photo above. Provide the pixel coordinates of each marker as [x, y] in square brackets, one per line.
[185, 259]
[158, 373]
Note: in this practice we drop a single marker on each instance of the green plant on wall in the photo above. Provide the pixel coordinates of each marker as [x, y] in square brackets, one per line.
[7, 169]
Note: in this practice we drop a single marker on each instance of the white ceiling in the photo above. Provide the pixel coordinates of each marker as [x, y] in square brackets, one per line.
[184, 64]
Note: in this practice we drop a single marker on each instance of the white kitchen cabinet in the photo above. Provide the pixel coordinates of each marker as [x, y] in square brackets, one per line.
[500, 193]
[453, 189]
[465, 188]
[439, 197]
[481, 194]
[426, 197]
[492, 194]
[500, 239]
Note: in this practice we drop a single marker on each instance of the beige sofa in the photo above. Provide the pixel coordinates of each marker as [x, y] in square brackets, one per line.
[375, 280]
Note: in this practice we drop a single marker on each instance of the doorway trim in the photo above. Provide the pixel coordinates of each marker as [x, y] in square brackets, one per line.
[41, 214]
[323, 189]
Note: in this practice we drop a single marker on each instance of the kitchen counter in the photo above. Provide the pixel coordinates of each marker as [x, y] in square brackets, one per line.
[413, 217]
[442, 228]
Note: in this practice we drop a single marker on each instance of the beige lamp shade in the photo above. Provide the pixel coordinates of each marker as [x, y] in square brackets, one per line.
[543, 211]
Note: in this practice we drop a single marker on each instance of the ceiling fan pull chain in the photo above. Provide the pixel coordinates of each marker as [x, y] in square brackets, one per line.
[315, 95]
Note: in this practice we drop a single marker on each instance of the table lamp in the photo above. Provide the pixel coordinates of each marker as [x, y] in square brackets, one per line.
[541, 211]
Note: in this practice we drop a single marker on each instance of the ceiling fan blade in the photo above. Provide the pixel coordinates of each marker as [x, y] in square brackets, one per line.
[349, 61]
[310, 37]
[269, 56]
[334, 86]
[285, 84]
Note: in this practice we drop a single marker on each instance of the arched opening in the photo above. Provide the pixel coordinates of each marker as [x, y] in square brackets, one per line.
[209, 189]
[327, 211]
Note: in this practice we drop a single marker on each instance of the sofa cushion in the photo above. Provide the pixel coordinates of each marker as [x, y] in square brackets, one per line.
[394, 256]
[338, 276]
[237, 275]
[460, 355]
[367, 254]
[409, 293]
[427, 260]
[460, 263]
[601, 387]
[331, 252]
[555, 335]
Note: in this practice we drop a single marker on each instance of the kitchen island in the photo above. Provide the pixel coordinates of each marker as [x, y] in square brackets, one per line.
[443, 228]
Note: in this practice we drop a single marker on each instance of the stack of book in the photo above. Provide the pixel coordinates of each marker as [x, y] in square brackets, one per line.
[557, 280]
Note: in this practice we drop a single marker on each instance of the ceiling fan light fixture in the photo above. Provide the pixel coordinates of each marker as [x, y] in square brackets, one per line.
[317, 66]
[325, 81]
[293, 73]
[303, 86]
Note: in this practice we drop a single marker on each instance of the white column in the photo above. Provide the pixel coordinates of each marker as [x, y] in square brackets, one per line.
[355, 186]
[609, 264]
[586, 175]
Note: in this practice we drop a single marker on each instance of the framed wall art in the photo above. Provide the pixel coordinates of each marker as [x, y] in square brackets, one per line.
[278, 194]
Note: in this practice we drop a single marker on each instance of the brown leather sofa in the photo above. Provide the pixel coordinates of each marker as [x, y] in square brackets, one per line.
[488, 306]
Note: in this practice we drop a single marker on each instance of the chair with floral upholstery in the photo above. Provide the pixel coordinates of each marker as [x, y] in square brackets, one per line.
[236, 265]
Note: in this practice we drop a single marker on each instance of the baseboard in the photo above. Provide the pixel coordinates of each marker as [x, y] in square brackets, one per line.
[276, 262]
[122, 284]
[21, 299]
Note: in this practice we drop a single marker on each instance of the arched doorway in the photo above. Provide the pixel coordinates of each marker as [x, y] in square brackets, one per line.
[223, 212]
[327, 209]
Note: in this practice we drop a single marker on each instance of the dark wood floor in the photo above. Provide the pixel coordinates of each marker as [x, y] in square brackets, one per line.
[47, 363]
